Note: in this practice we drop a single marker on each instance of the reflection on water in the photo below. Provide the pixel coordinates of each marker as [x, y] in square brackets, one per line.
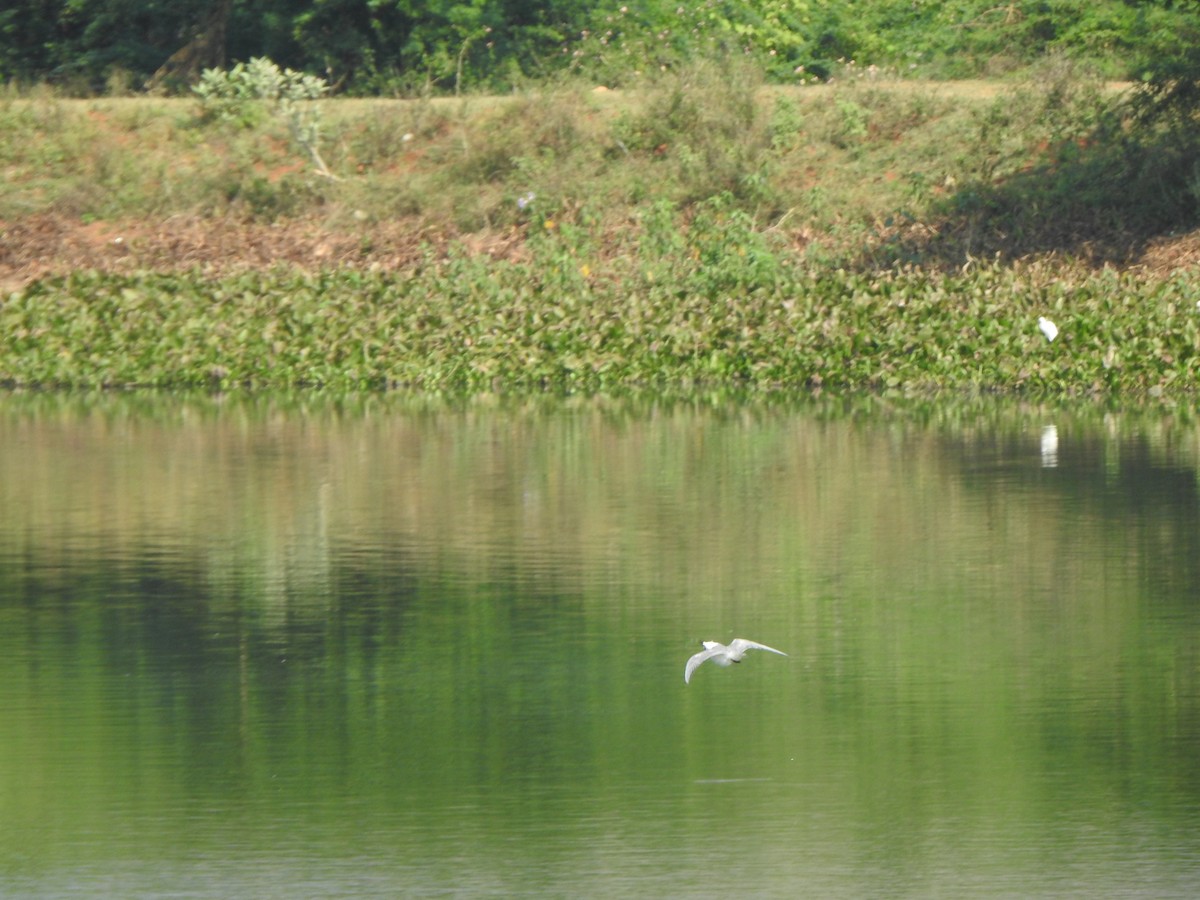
[1050, 447]
[389, 646]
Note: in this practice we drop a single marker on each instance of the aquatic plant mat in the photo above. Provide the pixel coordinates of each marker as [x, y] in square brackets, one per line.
[716, 307]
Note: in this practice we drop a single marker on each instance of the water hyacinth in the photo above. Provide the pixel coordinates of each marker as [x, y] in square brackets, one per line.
[716, 304]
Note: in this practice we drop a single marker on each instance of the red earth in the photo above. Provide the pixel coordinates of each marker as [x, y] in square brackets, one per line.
[45, 244]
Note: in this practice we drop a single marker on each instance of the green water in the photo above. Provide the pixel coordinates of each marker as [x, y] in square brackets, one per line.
[385, 647]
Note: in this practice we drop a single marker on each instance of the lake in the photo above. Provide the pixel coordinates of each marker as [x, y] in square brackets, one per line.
[378, 646]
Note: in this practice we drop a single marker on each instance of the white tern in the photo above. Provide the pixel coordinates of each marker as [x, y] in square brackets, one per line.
[723, 655]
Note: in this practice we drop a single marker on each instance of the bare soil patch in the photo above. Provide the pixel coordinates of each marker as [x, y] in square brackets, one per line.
[46, 245]
[1168, 254]
[43, 245]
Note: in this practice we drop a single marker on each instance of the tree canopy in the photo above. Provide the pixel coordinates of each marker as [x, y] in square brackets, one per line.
[394, 46]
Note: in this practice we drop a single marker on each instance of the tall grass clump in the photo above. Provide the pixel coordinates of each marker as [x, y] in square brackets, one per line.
[702, 130]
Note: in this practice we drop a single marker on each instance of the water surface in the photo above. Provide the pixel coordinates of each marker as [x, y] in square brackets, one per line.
[390, 646]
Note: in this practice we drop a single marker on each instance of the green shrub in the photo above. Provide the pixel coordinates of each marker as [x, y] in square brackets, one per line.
[241, 95]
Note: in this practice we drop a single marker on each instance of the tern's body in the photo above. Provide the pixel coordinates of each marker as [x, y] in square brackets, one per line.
[724, 655]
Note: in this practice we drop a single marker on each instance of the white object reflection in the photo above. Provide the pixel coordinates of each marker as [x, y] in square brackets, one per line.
[1049, 447]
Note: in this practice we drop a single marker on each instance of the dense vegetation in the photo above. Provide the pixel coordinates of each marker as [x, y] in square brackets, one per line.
[391, 46]
[718, 304]
[705, 224]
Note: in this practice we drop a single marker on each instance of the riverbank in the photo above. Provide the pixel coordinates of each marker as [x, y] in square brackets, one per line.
[728, 313]
[886, 236]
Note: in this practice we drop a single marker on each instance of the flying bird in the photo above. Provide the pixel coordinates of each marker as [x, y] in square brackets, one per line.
[1049, 329]
[723, 655]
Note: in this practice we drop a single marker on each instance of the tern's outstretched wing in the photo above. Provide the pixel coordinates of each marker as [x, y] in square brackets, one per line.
[740, 645]
[699, 658]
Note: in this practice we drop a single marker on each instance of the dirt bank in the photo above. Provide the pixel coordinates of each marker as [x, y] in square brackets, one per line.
[45, 244]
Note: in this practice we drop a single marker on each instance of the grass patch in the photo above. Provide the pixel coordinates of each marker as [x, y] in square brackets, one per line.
[832, 164]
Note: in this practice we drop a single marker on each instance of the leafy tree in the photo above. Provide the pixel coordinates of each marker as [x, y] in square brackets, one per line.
[372, 46]
[1170, 62]
[82, 41]
[27, 36]
[443, 41]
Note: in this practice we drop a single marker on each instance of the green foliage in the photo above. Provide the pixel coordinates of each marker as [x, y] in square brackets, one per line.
[709, 300]
[78, 44]
[239, 95]
[704, 129]
[406, 46]
[623, 45]
[1055, 167]
[895, 170]
[396, 46]
[1169, 61]
[852, 122]
[645, 227]
[234, 94]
